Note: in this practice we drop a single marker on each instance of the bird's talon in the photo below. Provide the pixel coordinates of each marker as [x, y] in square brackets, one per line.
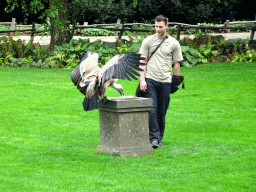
[104, 99]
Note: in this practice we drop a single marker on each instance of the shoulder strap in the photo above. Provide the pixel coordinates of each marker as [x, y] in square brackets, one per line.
[157, 47]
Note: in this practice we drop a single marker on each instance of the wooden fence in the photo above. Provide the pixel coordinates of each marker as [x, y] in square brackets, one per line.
[122, 27]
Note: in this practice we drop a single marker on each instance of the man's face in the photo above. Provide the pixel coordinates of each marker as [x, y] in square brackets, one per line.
[161, 28]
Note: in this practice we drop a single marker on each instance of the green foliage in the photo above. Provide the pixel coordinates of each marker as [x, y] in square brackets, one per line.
[97, 32]
[28, 8]
[142, 27]
[123, 48]
[101, 11]
[135, 47]
[207, 52]
[15, 53]
[5, 47]
[212, 49]
[239, 45]
[68, 54]
[248, 57]
[30, 63]
[190, 55]
[16, 48]
[192, 12]
[249, 25]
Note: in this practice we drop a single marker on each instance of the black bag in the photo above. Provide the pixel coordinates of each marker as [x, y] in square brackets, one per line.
[139, 93]
[176, 81]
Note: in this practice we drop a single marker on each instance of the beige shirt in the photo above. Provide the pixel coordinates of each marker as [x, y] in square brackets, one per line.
[159, 67]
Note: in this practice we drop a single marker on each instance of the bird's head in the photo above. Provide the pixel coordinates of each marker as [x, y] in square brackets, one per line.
[119, 88]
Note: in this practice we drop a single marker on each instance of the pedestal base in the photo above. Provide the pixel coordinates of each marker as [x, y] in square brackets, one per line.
[124, 126]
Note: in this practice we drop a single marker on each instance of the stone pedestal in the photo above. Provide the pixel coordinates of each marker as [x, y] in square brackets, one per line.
[124, 126]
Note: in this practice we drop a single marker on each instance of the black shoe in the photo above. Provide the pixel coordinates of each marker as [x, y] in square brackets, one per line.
[161, 144]
[154, 144]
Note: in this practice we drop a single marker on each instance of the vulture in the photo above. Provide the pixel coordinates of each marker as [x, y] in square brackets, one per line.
[92, 81]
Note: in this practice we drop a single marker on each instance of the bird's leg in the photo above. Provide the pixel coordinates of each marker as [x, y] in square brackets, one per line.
[90, 91]
[103, 98]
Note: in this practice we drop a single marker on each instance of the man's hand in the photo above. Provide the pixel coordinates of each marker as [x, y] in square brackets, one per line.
[143, 86]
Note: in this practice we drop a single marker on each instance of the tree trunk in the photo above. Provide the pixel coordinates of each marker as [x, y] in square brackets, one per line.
[60, 32]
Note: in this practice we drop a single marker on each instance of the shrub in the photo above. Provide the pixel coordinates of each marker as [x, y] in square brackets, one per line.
[249, 56]
[190, 55]
[15, 48]
[68, 54]
[97, 32]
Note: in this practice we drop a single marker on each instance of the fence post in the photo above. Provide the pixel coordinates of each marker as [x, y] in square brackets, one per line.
[12, 25]
[178, 32]
[118, 25]
[252, 32]
[33, 29]
[252, 43]
[121, 32]
[227, 25]
[73, 29]
[199, 30]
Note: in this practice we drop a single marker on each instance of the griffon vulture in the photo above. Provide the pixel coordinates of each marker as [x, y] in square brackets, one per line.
[92, 81]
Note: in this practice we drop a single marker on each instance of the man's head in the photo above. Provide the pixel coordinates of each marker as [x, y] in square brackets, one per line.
[161, 18]
[161, 25]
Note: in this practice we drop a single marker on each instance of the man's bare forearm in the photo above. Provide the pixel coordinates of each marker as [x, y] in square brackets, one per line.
[144, 68]
[176, 68]
[143, 84]
[143, 73]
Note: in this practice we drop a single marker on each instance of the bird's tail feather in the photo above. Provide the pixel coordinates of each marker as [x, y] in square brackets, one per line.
[90, 103]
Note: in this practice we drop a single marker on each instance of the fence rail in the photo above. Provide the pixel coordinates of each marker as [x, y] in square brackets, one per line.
[180, 27]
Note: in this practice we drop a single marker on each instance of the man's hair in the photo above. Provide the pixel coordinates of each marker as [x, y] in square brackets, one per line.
[161, 18]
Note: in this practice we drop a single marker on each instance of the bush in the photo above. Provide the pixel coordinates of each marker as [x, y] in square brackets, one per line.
[18, 54]
[249, 56]
[68, 54]
[100, 11]
[97, 32]
[10, 48]
[190, 55]
[30, 63]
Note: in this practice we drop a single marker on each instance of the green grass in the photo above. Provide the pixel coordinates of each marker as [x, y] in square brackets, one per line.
[48, 143]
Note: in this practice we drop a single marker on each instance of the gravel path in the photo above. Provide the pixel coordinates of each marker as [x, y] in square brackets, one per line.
[46, 39]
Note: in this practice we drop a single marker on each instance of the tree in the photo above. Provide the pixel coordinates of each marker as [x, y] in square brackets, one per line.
[55, 14]
[101, 11]
[192, 11]
[59, 23]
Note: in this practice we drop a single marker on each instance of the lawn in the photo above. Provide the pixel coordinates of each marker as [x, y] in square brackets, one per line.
[48, 143]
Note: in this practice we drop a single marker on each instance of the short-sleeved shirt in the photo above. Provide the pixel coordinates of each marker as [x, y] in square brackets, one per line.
[159, 67]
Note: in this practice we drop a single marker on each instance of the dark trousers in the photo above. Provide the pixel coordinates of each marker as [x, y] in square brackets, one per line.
[160, 94]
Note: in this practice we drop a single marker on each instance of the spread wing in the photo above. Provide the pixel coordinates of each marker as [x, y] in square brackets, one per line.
[88, 63]
[121, 66]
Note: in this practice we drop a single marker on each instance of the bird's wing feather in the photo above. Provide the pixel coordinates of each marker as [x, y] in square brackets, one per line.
[121, 67]
[88, 63]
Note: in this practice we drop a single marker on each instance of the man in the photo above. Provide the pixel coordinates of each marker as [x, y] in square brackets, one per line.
[156, 78]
